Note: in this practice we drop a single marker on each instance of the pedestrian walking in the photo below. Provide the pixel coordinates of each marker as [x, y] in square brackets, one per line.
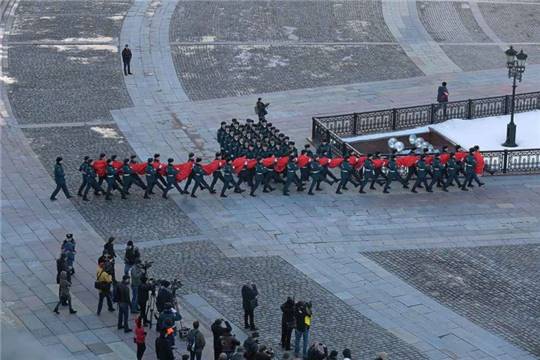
[60, 180]
[126, 59]
[287, 323]
[140, 337]
[68, 248]
[64, 293]
[124, 303]
[249, 303]
[103, 284]
[62, 265]
[195, 342]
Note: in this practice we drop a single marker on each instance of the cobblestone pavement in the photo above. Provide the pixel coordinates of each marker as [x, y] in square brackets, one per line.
[496, 286]
[204, 270]
[68, 96]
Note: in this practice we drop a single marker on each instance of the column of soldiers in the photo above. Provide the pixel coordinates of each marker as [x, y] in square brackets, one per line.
[242, 144]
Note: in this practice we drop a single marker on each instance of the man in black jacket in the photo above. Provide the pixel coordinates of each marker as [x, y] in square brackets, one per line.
[163, 346]
[124, 302]
[218, 331]
[288, 323]
[142, 298]
[126, 59]
[249, 303]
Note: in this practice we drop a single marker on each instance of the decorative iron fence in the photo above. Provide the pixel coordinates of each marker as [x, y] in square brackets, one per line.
[415, 116]
[525, 161]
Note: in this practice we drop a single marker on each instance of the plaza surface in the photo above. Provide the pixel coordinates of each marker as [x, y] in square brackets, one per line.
[437, 276]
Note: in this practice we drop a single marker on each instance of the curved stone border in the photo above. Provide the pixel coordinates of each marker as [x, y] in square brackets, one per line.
[402, 19]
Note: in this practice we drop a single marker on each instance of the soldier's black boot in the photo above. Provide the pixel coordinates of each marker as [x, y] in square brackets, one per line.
[338, 191]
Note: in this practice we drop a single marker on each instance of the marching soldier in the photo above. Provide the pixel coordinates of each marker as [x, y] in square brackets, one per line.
[470, 173]
[171, 178]
[135, 178]
[421, 172]
[346, 172]
[216, 175]
[228, 179]
[324, 149]
[102, 159]
[316, 178]
[82, 170]
[111, 181]
[157, 167]
[291, 176]
[198, 177]
[325, 173]
[151, 178]
[91, 182]
[191, 159]
[369, 174]
[452, 170]
[437, 173]
[260, 177]
[126, 176]
[59, 178]
[393, 174]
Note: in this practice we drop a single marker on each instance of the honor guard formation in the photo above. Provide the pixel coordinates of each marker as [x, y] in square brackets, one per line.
[258, 154]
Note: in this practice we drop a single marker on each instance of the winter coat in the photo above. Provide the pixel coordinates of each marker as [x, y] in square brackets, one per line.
[287, 316]
[249, 297]
[63, 289]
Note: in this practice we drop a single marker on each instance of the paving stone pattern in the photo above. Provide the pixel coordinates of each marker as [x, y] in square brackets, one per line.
[135, 218]
[450, 22]
[57, 83]
[474, 57]
[497, 287]
[513, 22]
[204, 270]
[279, 21]
[214, 71]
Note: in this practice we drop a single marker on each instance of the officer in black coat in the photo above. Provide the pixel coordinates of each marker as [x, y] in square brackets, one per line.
[249, 303]
[59, 178]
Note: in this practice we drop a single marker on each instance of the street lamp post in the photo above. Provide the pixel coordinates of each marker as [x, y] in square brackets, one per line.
[516, 67]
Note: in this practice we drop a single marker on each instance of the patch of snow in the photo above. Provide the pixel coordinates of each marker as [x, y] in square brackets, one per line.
[7, 80]
[107, 133]
[47, 17]
[289, 31]
[116, 17]
[88, 47]
[488, 133]
[405, 132]
[208, 39]
[277, 60]
[98, 39]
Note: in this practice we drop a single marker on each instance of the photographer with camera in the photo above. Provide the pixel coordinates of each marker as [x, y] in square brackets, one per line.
[218, 331]
[229, 343]
[131, 257]
[302, 314]
[164, 296]
[136, 274]
[145, 287]
[249, 303]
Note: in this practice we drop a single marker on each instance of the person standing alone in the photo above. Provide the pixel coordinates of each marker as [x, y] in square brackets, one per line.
[126, 59]
[442, 97]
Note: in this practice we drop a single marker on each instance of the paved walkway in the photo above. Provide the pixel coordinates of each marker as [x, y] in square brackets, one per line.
[321, 236]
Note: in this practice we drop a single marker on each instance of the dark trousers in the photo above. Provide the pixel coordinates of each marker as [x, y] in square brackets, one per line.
[227, 183]
[112, 185]
[127, 68]
[104, 295]
[452, 175]
[136, 179]
[292, 179]
[126, 183]
[141, 348]
[393, 176]
[170, 185]
[60, 186]
[249, 320]
[420, 180]
[199, 183]
[436, 178]
[123, 315]
[258, 180]
[217, 175]
[195, 355]
[142, 312]
[474, 177]
[367, 177]
[83, 185]
[344, 180]
[286, 333]
[151, 181]
[61, 300]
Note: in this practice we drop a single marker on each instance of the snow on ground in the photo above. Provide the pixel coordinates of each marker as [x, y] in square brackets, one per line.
[488, 133]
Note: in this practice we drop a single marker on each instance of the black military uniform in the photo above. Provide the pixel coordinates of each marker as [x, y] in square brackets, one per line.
[171, 178]
[437, 173]
[421, 172]
[393, 174]
[59, 178]
[198, 177]
[82, 170]
[151, 179]
[292, 177]
[346, 172]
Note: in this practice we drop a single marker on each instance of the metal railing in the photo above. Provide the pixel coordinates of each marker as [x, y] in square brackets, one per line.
[524, 161]
[422, 115]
